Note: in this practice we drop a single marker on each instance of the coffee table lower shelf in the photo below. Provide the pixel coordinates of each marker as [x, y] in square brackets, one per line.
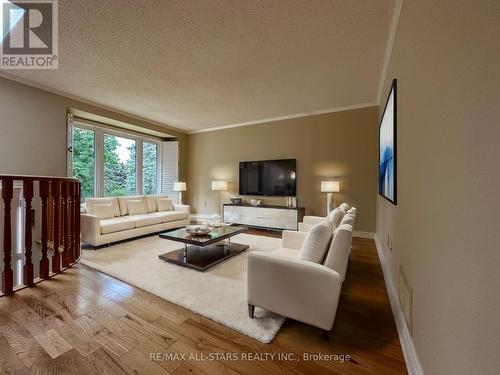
[202, 258]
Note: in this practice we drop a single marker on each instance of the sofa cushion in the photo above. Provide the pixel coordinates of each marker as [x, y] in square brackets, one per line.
[89, 204]
[136, 207]
[103, 210]
[164, 204]
[335, 217]
[122, 202]
[340, 248]
[167, 216]
[151, 203]
[145, 220]
[316, 242]
[116, 224]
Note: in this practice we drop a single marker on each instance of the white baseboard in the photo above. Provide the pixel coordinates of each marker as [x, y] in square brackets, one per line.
[408, 347]
[361, 234]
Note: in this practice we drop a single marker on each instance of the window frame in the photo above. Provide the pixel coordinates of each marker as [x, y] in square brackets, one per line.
[99, 132]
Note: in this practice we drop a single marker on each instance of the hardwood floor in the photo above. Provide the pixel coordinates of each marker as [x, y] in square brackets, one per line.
[85, 322]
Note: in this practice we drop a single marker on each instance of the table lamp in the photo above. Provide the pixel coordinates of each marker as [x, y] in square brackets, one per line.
[330, 187]
[180, 187]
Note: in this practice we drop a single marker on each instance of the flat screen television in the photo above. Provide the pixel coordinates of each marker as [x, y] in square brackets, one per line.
[269, 178]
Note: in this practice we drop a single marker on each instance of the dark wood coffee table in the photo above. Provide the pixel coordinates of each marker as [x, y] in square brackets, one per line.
[204, 251]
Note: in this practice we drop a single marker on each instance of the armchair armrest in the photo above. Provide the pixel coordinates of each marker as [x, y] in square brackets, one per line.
[304, 227]
[91, 228]
[294, 288]
[182, 208]
[312, 219]
[292, 239]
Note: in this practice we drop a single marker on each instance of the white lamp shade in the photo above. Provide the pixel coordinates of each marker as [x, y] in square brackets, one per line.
[219, 185]
[179, 186]
[330, 186]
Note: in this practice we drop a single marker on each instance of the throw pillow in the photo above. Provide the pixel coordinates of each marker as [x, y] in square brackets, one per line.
[164, 204]
[335, 217]
[151, 203]
[316, 242]
[136, 207]
[103, 210]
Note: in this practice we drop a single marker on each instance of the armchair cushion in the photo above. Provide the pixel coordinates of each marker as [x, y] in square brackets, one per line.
[344, 207]
[340, 248]
[292, 239]
[336, 216]
[304, 227]
[315, 243]
[312, 220]
[286, 253]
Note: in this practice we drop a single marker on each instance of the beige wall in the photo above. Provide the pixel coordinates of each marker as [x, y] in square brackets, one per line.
[446, 226]
[341, 145]
[33, 129]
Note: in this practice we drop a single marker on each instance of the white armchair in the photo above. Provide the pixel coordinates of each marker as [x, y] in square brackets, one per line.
[284, 284]
[335, 217]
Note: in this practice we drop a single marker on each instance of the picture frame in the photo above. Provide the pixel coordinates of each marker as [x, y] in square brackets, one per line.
[387, 162]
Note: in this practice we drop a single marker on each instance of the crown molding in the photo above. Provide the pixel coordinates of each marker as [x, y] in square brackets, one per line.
[398, 4]
[286, 117]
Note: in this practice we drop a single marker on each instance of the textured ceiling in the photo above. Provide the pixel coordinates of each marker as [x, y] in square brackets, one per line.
[202, 64]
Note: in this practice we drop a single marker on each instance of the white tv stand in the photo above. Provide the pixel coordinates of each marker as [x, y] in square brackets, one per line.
[270, 217]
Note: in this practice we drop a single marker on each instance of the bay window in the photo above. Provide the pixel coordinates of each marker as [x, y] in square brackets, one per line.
[111, 162]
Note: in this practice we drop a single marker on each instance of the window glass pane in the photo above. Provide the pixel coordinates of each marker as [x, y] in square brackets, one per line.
[83, 160]
[119, 166]
[149, 168]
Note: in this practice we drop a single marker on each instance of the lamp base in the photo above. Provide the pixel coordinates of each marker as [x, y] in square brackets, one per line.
[330, 204]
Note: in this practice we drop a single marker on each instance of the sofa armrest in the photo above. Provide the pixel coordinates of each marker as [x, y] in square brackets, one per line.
[91, 228]
[313, 219]
[294, 288]
[182, 208]
[292, 239]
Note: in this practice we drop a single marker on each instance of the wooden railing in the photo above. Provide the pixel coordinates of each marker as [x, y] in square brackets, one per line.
[47, 241]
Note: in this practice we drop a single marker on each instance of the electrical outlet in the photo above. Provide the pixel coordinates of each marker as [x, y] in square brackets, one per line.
[205, 203]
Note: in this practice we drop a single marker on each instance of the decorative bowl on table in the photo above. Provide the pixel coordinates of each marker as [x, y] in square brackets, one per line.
[198, 230]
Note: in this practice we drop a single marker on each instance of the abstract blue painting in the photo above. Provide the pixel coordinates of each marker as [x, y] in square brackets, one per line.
[387, 149]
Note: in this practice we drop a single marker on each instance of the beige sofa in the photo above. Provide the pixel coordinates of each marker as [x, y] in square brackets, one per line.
[108, 220]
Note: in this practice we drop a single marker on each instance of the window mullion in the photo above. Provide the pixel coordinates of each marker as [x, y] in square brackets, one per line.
[99, 162]
[138, 166]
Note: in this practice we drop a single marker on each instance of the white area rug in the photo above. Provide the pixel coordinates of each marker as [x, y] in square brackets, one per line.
[219, 293]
